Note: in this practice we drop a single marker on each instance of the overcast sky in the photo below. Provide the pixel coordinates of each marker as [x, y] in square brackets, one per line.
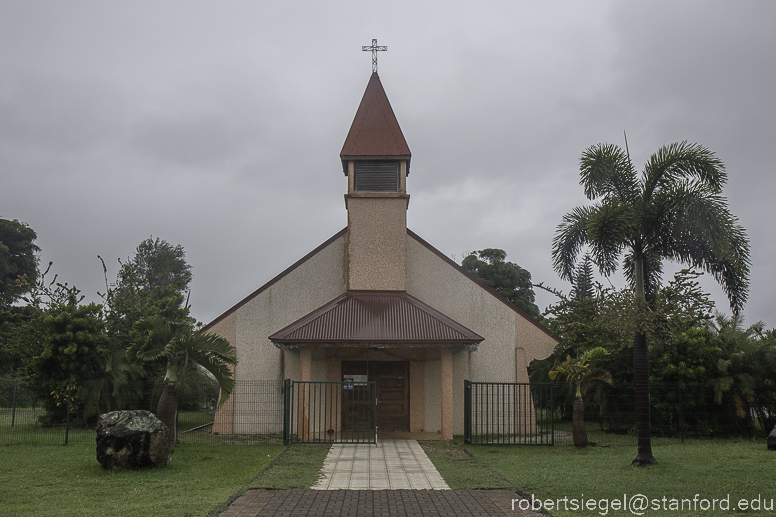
[218, 125]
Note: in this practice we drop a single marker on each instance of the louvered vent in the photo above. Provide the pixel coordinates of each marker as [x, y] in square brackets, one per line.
[377, 176]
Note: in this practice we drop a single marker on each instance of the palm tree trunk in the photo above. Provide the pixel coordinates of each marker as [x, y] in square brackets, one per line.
[578, 424]
[641, 377]
[167, 409]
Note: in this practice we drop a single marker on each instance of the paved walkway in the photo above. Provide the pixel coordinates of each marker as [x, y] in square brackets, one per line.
[378, 503]
[391, 465]
[393, 479]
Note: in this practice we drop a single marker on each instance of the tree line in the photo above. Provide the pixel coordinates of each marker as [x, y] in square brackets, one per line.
[139, 347]
[648, 333]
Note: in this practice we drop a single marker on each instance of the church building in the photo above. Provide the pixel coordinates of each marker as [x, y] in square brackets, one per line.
[376, 302]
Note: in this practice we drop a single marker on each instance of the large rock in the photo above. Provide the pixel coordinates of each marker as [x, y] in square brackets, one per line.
[132, 440]
[772, 439]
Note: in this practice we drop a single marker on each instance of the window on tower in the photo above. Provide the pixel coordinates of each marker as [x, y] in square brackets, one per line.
[380, 176]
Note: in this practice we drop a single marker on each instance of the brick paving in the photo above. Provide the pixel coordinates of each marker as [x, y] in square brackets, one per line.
[377, 503]
[393, 479]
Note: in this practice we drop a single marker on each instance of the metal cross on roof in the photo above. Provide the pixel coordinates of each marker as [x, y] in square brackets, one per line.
[374, 48]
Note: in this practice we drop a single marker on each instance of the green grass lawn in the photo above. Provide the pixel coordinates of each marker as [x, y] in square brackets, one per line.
[297, 467]
[26, 430]
[712, 469]
[64, 481]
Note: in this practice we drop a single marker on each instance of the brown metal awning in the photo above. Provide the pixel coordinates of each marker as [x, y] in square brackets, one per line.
[375, 318]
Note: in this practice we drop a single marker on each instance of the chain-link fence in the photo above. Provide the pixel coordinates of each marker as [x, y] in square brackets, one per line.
[67, 412]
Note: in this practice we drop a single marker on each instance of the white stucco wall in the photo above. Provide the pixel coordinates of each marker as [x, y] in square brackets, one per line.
[313, 283]
[437, 283]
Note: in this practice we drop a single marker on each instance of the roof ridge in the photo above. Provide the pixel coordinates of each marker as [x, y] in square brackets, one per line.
[376, 317]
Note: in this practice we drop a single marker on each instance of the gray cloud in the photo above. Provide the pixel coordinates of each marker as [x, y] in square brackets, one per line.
[218, 126]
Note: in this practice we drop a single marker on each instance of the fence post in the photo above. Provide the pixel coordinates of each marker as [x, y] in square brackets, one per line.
[67, 421]
[681, 412]
[287, 412]
[552, 413]
[13, 411]
[467, 412]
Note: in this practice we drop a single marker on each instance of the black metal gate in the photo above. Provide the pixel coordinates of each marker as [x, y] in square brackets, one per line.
[329, 412]
[508, 413]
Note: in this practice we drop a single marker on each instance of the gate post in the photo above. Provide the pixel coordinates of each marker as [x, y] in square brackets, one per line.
[467, 412]
[287, 395]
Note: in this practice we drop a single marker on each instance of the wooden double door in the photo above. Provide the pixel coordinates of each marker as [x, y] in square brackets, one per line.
[392, 380]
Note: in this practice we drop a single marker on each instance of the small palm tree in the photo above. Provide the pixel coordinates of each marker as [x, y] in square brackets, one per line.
[184, 349]
[735, 372]
[118, 387]
[576, 371]
[674, 210]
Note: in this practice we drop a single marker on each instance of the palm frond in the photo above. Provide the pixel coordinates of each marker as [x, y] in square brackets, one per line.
[153, 335]
[705, 235]
[569, 238]
[609, 229]
[681, 160]
[597, 375]
[606, 171]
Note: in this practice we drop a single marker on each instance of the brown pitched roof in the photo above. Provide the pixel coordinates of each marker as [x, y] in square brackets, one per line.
[375, 317]
[375, 132]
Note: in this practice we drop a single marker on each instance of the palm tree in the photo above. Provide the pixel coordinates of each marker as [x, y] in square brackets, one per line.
[673, 210]
[735, 374]
[577, 371]
[118, 387]
[184, 349]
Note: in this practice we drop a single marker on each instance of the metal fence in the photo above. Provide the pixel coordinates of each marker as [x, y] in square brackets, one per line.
[513, 413]
[260, 412]
[329, 412]
[677, 411]
[508, 413]
[62, 414]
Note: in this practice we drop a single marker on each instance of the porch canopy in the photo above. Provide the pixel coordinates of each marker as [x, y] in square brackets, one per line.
[381, 319]
[375, 318]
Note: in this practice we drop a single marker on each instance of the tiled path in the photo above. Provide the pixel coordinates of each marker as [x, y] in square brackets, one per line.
[394, 478]
[391, 465]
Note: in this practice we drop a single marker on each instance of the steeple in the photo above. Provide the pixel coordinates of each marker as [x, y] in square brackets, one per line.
[375, 132]
[376, 159]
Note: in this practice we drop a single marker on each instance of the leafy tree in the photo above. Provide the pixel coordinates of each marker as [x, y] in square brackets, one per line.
[23, 334]
[159, 264]
[73, 345]
[507, 278]
[576, 371]
[18, 258]
[130, 299]
[673, 210]
[184, 350]
[151, 283]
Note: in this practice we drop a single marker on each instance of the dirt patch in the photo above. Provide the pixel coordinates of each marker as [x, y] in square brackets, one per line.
[449, 452]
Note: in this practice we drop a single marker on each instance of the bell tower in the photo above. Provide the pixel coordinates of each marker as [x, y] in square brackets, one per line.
[376, 160]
